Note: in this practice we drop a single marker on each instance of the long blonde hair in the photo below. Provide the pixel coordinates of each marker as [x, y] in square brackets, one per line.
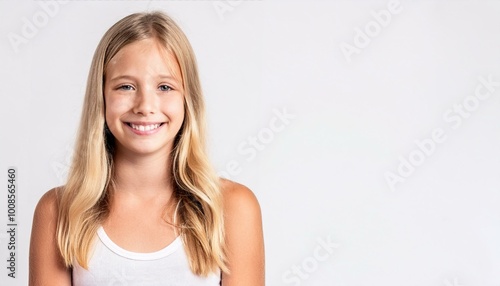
[84, 200]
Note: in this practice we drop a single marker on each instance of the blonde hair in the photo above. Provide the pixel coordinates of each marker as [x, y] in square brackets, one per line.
[84, 200]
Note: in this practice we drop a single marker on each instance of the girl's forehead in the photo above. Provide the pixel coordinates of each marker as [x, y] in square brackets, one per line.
[147, 54]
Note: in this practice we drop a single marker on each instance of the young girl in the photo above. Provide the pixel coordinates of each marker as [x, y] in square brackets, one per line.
[142, 205]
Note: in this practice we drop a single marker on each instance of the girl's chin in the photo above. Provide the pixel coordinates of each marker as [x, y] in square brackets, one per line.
[144, 149]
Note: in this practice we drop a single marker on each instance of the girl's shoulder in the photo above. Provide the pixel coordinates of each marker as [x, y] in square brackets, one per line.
[46, 264]
[244, 235]
[48, 203]
[238, 195]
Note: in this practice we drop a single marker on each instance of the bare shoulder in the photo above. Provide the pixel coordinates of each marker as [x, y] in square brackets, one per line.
[46, 266]
[46, 211]
[47, 206]
[244, 236]
[238, 197]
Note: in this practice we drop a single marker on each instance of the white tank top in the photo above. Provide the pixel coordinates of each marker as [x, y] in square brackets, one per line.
[112, 265]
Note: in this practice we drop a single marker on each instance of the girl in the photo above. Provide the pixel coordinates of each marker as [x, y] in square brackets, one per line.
[142, 205]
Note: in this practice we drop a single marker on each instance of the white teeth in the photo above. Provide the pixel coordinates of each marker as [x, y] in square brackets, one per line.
[144, 127]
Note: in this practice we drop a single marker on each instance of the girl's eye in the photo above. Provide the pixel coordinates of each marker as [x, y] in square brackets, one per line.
[165, 88]
[125, 87]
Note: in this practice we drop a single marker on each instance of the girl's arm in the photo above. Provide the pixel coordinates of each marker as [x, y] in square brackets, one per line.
[244, 236]
[46, 266]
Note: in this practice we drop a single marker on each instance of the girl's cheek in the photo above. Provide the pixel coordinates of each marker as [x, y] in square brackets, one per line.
[118, 104]
[175, 105]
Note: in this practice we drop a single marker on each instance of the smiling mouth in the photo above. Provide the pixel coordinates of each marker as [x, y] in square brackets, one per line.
[145, 127]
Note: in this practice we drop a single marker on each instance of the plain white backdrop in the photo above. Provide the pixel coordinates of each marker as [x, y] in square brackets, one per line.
[369, 130]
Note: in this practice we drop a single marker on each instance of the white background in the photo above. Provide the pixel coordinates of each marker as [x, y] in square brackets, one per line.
[320, 176]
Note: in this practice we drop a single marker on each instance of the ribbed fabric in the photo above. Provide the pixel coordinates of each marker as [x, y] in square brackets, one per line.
[112, 265]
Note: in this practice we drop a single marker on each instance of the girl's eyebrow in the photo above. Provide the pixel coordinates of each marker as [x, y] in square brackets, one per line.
[121, 77]
[167, 77]
[129, 77]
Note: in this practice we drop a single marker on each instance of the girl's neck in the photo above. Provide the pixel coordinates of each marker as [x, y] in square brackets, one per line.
[146, 176]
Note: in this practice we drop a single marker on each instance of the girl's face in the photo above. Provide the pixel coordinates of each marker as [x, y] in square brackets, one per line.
[144, 98]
